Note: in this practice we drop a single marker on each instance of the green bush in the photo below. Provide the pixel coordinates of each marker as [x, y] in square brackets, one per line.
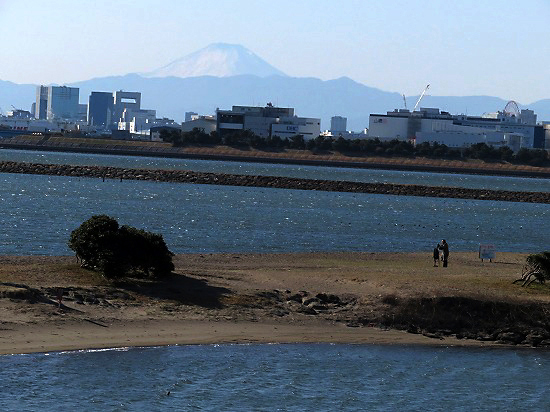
[118, 251]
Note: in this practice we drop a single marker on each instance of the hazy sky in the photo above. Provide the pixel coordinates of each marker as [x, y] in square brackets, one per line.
[498, 48]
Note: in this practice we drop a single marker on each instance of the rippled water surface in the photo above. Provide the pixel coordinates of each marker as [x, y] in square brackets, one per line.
[39, 212]
[278, 378]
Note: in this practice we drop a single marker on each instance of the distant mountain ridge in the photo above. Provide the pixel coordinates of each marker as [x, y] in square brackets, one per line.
[222, 75]
[20, 96]
[219, 60]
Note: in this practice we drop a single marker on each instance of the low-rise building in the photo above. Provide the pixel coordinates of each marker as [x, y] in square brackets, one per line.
[206, 124]
[516, 129]
[19, 114]
[267, 121]
[37, 125]
[338, 128]
[137, 121]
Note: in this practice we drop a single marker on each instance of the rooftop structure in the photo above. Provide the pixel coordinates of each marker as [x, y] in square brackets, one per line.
[19, 114]
[125, 100]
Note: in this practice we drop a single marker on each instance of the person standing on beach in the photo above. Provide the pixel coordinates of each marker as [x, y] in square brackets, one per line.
[436, 256]
[444, 246]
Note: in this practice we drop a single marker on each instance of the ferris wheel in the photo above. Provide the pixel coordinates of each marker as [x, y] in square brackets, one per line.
[511, 109]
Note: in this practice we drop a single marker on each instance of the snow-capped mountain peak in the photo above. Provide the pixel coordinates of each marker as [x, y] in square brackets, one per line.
[219, 60]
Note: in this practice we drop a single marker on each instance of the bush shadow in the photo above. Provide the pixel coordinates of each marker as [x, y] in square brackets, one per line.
[179, 288]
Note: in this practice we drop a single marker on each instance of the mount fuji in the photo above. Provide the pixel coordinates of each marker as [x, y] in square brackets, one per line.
[222, 75]
[218, 60]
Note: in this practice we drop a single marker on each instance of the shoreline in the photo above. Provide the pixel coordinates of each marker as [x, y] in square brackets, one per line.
[339, 297]
[76, 336]
[308, 158]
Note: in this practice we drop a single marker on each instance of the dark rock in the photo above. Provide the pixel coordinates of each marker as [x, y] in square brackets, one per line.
[279, 312]
[534, 339]
[484, 337]
[333, 299]
[311, 301]
[295, 298]
[275, 295]
[511, 337]
[433, 335]
[307, 310]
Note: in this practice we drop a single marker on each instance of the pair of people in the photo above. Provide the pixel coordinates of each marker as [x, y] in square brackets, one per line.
[443, 246]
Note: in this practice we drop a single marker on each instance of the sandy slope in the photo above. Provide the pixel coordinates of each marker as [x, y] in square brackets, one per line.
[242, 298]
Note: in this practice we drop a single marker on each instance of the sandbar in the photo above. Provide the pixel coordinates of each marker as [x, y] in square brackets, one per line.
[247, 298]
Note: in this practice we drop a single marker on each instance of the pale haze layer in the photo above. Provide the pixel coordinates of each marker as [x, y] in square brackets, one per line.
[496, 48]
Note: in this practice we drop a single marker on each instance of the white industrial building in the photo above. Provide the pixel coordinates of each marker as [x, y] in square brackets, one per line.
[267, 121]
[132, 118]
[137, 121]
[511, 127]
[40, 126]
[206, 124]
[338, 128]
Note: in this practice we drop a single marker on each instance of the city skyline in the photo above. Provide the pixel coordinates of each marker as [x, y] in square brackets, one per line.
[490, 48]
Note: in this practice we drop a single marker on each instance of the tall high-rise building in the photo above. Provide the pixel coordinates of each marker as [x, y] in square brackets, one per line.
[41, 109]
[57, 102]
[100, 110]
[63, 102]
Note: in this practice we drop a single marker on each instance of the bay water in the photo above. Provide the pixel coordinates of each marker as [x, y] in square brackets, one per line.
[297, 377]
[39, 212]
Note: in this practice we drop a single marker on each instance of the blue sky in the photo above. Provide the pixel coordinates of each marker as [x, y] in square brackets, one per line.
[498, 48]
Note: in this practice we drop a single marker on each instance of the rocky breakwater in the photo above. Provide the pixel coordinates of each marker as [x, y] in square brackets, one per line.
[185, 176]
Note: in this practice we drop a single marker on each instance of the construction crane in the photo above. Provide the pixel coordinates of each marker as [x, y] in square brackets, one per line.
[405, 102]
[420, 98]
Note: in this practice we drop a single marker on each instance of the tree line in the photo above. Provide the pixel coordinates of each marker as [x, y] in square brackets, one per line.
[354, 147]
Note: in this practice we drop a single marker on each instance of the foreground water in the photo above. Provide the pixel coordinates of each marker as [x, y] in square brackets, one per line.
[277, 378]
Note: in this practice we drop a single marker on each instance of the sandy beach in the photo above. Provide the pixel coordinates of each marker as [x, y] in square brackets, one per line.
[76, 335]
[264, 298]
